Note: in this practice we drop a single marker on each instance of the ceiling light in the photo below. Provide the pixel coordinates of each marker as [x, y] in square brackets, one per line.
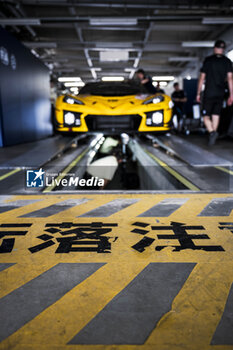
[114, 56]
[75, 90]
[198, 44]
[20, 21]
[113, 78]
[113, 21]
[182, 59]
[114, 45]
[62, 79]
[164, 78]
[40, 45]
[78, 83]
[188, 77]
[161, 83]
[217, 20]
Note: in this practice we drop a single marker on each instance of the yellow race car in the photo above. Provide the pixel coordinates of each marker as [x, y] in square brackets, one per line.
[113, 107]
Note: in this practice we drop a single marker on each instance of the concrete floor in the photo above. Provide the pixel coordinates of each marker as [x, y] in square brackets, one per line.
[222, 146]
[165, 172]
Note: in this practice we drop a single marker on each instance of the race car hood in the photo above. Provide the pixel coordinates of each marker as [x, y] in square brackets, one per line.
[113, 102]
[114, 105]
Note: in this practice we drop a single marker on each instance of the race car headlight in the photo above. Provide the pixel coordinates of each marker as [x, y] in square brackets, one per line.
[71, 100]
[154, 118]
[69, 118]
[72, 118]
[157, 117]
[156, 99]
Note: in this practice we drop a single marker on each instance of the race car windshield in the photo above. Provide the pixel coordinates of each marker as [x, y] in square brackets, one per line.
[112, 89]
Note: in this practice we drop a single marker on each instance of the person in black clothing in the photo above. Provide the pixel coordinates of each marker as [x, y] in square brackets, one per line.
[215, 71]
[179, 98]
[146, 81]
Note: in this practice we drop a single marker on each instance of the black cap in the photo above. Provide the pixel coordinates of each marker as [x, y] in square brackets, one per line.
[140, 71]
[220, 44]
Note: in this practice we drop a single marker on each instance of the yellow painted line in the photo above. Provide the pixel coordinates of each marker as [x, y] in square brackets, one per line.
[174, 173]
[224, 169]
[22, 272]
[12, 172]
[201, 301]
[77, 307]
[66, 170]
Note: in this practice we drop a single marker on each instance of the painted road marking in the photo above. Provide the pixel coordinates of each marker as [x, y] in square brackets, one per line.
[3, 198]
[224, 332]
[7, 206]
[165, 208]
[9, 232]
[195, 311]
[228, 171]
[173, 172]
[5, 266]
[12, 172]
[131, 316]
[110, 208]
[73, 311]
[26, 302]
[55, 208]
[182, 238]
[218, 207]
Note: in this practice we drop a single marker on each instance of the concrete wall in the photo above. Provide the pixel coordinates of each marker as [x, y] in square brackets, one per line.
[24, 93]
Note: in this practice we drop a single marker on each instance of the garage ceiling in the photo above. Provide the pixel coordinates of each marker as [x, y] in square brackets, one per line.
[70, 36]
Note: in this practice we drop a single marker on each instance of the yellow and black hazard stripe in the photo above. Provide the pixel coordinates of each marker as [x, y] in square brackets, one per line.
[57, 293]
